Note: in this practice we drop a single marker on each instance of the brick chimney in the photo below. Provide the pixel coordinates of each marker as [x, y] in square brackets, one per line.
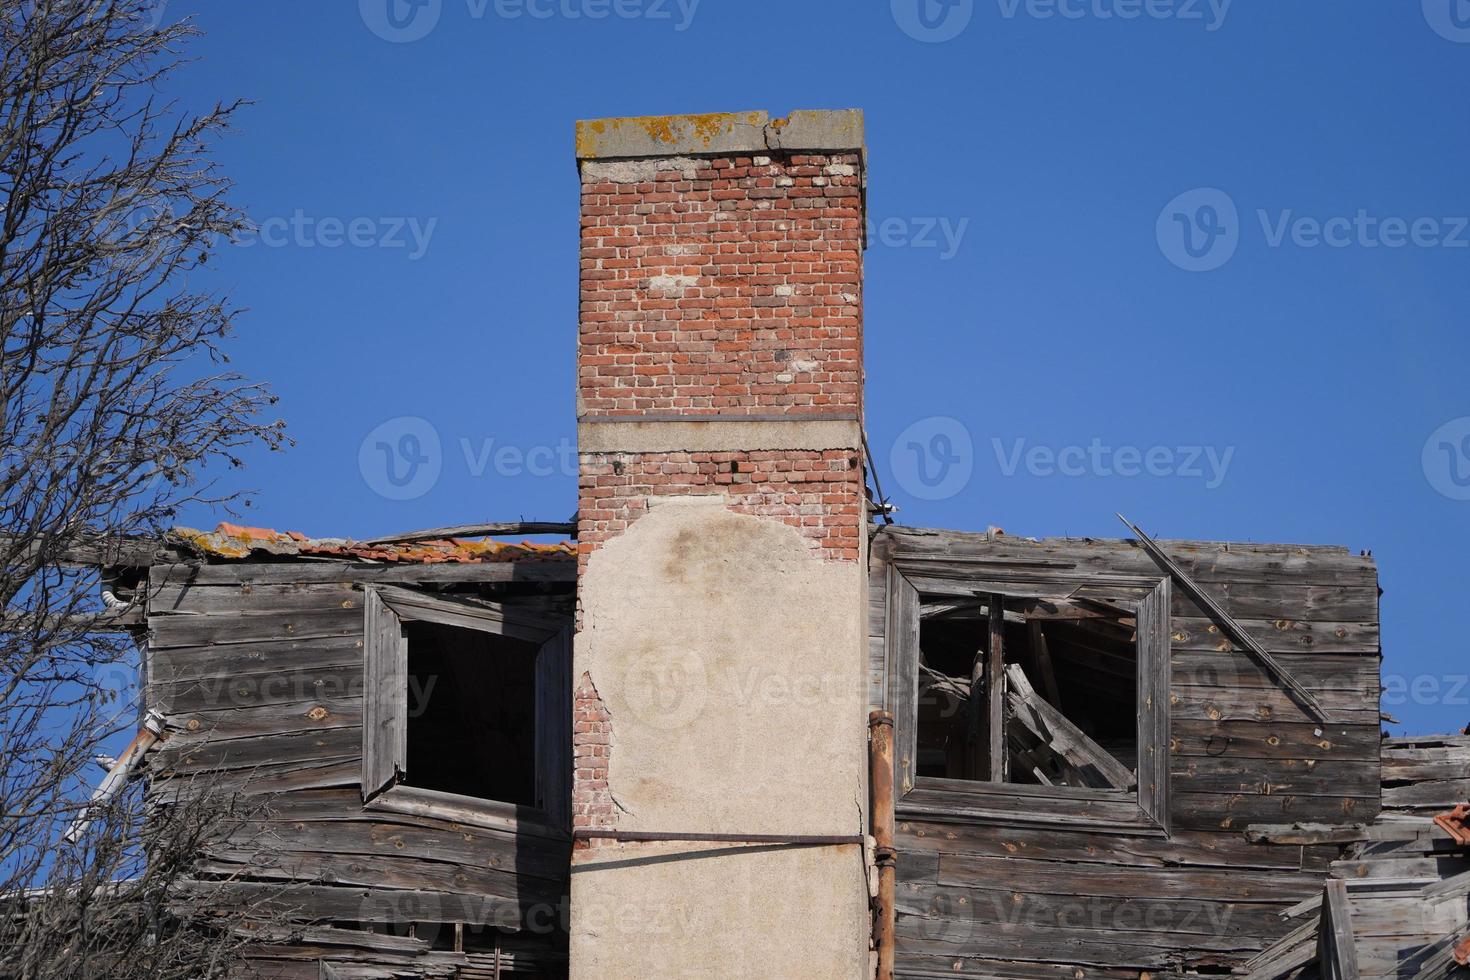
[720, 655]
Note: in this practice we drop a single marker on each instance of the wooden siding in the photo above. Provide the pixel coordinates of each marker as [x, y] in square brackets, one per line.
[996, 901]
[261, 680]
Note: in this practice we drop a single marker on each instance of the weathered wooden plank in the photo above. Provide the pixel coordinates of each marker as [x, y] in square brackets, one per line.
[184, 752]
[1192, 848]
[315, 715]
[277, 778]
[1205, 561]
[1280, 636]
[1267, 705]
[1282, 600]
[385, 699]
[167, 598]
[554, 727]
[1337, 954]
[474, 847]
[467, 612]
[375, 903]
[1141, 949]
[258, 689]
[1274, 739]
[1053, 729]
[944, 965]
[1277, 776]
[1236, 811]
[1155, 707]
[535, 571]
[377, 871]
[903, 680]
[1317, 672]
[201, 663]
[1054, 878]
[199, 631]
[518, 854]
[1433, 793]
[955, 914]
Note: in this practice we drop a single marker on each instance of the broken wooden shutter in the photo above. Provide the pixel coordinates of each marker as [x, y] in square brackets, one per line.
[903, 673]
[1153, 702]
[385, 697]
[554, 727]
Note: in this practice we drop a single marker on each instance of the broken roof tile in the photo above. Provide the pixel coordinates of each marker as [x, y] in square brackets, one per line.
[234, 541]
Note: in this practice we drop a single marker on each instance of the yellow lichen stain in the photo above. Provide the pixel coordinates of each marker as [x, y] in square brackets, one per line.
[704, 127]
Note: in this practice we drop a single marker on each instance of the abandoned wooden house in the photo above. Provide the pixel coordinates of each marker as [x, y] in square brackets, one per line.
[745, 725]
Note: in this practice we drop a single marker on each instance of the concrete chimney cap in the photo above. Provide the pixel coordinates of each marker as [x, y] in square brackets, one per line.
[721, 134]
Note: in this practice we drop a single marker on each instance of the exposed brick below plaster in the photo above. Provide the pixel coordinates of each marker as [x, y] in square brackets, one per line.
[592, 801]
[818, 492]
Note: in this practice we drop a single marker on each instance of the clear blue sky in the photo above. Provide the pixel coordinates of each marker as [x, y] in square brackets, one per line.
[1029, 274]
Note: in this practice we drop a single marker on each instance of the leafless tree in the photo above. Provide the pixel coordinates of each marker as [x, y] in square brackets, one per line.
[116, 413]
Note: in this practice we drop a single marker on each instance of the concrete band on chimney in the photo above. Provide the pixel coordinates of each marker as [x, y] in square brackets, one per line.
[722, 134]
[721, 649]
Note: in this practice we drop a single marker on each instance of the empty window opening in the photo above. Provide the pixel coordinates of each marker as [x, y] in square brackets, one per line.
[1037, 692]
[471, 713]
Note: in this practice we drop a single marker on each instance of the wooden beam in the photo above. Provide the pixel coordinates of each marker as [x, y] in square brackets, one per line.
[1053, 729]
[977, 738]
[122, 620]
[1227, 622]
[1337, 950]
[478, 531]
[97, 550]
[1041, 654]
[995, 691]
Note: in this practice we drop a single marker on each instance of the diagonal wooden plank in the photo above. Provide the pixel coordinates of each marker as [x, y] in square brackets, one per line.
[1337, 950]
[1228, 623]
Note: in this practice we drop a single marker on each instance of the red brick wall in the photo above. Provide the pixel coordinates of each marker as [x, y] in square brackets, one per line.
[727, 287]
[818, 492]
[731, 285]
[592, 802]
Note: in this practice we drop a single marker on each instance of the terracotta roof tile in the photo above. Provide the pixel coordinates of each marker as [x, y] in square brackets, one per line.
[239, 542]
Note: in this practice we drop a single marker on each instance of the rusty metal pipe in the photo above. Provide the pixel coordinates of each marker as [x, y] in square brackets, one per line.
[880, 756]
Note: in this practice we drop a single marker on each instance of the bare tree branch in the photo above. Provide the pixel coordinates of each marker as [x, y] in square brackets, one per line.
[115, 410]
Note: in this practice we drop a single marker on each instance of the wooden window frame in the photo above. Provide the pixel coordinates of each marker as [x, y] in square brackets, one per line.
[385, 709]
[1143, 810]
